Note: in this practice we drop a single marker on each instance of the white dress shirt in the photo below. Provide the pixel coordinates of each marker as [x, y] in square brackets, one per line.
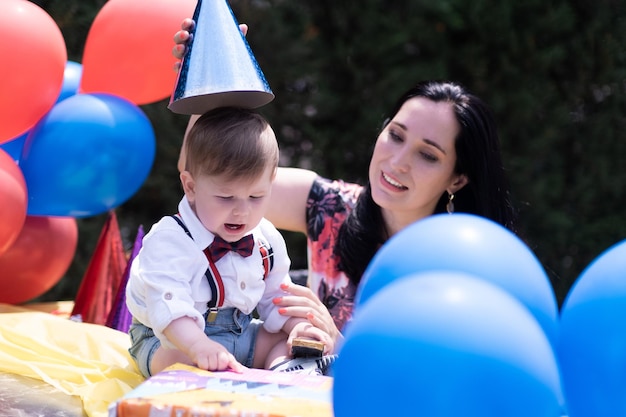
[167, 277]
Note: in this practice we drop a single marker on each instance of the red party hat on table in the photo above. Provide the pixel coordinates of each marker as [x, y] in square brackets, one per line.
[101, 281]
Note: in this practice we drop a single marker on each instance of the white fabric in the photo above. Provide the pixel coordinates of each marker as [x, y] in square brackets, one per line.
[167, 277]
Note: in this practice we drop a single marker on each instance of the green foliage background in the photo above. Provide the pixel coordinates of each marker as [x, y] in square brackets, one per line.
[554, 72]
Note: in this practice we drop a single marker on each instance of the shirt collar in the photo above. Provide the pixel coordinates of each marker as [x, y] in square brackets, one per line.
[201, 235]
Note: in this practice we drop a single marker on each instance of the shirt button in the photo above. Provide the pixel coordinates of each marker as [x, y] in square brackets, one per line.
[242, 285]
[167, 296]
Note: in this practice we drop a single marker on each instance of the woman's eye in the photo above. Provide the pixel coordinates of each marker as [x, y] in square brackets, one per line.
[395, 137]
[429, 156]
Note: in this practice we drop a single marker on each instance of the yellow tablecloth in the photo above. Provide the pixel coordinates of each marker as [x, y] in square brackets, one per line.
[80, 359]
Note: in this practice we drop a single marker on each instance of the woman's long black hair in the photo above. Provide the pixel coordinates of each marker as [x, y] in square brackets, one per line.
[478, 157]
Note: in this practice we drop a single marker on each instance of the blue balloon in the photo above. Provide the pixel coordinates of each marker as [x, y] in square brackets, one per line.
[465, 243]
[14, 146]
[89, 154]
[592, 339]
[71, 80]
[445, 344]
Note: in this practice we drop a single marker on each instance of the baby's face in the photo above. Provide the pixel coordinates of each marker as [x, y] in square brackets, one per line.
[231, 208]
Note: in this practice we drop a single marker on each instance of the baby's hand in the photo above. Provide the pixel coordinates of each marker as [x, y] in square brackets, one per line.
[212, 356]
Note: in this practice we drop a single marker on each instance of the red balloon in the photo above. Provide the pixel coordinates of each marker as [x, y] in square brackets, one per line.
[14, 201]
[141, 71]
[38, 259]
[31, 80]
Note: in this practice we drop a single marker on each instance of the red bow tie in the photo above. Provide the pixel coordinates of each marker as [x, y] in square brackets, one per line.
[220, 247]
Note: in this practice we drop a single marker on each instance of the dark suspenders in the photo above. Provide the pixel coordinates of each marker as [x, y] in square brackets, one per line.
[215, 279]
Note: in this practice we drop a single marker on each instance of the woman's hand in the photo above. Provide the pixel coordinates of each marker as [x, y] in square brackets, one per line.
[303, 329]
[183, 35]
[180, 39]
[302, 302]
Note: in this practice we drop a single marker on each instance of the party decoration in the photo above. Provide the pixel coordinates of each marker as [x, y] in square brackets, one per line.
[141, 71]
[14, 198]
[592, 340]
[88, 155]
[445, 344]
[38, 258]
[102, 278]
[219, 68]
[32, 74]
[119, 316]
[71, 80]
[14, 146]
[465, 243]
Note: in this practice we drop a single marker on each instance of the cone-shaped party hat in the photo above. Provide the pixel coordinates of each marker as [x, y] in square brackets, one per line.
[102, 278]
[219, 68]
[119, 317]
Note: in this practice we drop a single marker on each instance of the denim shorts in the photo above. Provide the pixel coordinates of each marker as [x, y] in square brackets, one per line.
[231, 328]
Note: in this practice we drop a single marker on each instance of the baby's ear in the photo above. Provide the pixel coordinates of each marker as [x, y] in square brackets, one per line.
[188, 183]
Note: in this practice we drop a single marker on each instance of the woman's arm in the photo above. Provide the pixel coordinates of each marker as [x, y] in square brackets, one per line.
[183, 155]
[287, 208]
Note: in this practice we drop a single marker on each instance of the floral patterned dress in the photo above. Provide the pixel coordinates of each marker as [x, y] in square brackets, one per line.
[328, 205]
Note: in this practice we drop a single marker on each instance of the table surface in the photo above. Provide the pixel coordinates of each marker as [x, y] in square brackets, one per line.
[27, 397]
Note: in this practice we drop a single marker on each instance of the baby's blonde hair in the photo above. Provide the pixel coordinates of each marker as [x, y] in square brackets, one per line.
[235, 142]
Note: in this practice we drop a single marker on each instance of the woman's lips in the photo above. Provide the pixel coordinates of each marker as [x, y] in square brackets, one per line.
[392, 182]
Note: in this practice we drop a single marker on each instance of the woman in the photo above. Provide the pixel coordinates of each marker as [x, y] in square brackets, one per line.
[438, 150]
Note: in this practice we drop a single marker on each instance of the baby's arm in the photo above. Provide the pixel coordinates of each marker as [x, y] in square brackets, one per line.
[185, 334]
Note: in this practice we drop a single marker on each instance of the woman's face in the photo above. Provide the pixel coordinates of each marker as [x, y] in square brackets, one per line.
[413, 161]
